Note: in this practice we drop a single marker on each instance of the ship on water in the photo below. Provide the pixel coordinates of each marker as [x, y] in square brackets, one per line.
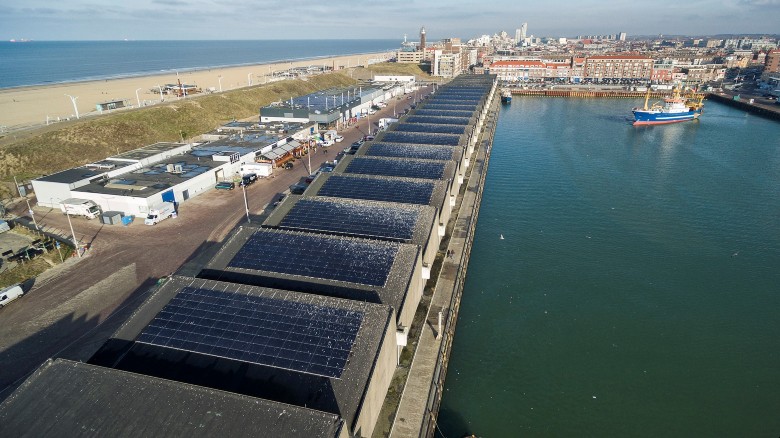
[506, 96]
[675, 109]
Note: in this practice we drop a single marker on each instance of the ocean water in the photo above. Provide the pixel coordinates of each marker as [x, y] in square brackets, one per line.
[46, 62]
[637, 288]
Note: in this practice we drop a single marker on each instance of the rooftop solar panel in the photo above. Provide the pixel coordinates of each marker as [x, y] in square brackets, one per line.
[402, 150]
[442, 113]
[429, 127]
[349, 260]
[279, 333]
[378, 189]
[440, 120]
[395, 167]
[420, 137]
[357, 219]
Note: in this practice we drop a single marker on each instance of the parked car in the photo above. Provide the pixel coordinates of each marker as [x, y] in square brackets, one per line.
[10, 293]
[248, 179]
[298, 188]
[338, 138]
[368, 138]
[225, 185]
[311, 177]
[326, 143]
[288, 165]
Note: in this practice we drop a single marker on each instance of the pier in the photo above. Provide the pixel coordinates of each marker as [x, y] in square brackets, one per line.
[614, 94]
[419, 403]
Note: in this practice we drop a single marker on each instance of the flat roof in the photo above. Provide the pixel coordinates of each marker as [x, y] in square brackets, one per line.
[421, 137]
[434, 128]
[147, 181]
[407, 223]
[294, 328]
[147, 151]
[438, 119]
[71, 176]
[343, 267]
[66, 398]
[381, 188]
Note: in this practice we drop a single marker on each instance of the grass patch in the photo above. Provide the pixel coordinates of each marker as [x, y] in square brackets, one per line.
[25, 270]
[93, 139]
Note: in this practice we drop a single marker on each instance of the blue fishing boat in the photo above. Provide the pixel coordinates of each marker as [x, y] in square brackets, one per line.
[506, 96]
[677, 108]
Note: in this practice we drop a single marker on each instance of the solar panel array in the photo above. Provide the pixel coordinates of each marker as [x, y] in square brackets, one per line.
[439, 120]
[395, 167]
[404, 150]
[314, 256]
[266, 331]
[441, 112]
[429, 127]
[450, 106]
[421, 138]
[349, 217]
[378, 189]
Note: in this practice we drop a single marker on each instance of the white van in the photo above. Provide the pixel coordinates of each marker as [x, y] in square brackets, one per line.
[10, 293]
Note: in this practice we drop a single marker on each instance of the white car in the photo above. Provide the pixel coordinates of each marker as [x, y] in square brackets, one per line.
[10, 293]
[338, 138]
[326, 143]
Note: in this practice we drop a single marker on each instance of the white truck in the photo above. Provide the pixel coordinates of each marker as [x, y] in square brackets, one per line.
[160, 213]
[80, 207]
[262, 170]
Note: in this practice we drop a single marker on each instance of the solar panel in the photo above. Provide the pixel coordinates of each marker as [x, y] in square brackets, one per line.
[442, 113]
[437, 120]
[378, 189]
[340, 259]
[429, 127]
[284, 334]
[348, 217]
[420, 137]
[394, 167]
[403, 150]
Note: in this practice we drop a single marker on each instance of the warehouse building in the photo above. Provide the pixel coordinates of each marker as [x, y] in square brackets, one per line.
[404, 223]
[325, 354]
[66, 398]
[388, 273]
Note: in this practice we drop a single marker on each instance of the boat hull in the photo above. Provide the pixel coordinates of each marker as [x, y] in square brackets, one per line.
[661, 118]
[506, 99]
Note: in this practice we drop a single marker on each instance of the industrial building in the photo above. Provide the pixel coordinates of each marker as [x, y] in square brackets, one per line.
[405, 223]
[389, 273]
[66, 398]
[325, 354]
[136, 181]
[387, 189]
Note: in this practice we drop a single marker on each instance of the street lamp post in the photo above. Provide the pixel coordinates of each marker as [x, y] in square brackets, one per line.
[137, 98]
[73, 101]
[73, 234]
[32, 214]
[246, 204]
[161, 96]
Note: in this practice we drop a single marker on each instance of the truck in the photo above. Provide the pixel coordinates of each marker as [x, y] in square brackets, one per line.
[160, 213]
[80, 207]
[384, 122]
[262, 170]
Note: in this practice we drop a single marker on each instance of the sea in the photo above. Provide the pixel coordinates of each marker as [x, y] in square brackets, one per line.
[636, 290]
[50, 62]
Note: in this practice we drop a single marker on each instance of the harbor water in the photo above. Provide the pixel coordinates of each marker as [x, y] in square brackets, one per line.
[624, 281]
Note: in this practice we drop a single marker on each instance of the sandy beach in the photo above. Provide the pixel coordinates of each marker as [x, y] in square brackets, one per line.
[35, 105]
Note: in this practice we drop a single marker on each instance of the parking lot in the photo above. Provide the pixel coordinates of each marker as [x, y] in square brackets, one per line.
[73, 308]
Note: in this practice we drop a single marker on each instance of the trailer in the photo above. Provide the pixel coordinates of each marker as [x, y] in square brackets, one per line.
[160, 213]
[80, 207]
[262, 170]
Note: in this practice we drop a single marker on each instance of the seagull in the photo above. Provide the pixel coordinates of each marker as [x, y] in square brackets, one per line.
[502, 237]
[735, 254]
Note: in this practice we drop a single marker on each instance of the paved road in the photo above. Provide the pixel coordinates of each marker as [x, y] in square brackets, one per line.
[72, 309]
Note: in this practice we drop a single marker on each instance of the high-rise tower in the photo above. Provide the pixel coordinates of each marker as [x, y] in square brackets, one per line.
[422, 38]
[523, 31]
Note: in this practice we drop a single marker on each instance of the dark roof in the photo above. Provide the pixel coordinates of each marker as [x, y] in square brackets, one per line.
[343, 267]
[342, 396]
[65, 398]
[407, 223]
[381, 188]
[401, 167]
[411, 150]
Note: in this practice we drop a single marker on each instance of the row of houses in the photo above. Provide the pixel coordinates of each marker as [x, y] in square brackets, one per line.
[292, 328]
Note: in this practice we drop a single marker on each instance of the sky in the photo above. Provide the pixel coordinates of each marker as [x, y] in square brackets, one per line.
[373, 19]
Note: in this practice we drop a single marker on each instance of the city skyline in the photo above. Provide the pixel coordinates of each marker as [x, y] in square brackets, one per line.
[226, 20]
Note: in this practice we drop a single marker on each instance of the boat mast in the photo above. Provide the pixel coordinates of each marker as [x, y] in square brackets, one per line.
[647, 97]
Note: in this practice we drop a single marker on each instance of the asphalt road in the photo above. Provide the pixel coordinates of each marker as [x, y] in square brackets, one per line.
[72, 309]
